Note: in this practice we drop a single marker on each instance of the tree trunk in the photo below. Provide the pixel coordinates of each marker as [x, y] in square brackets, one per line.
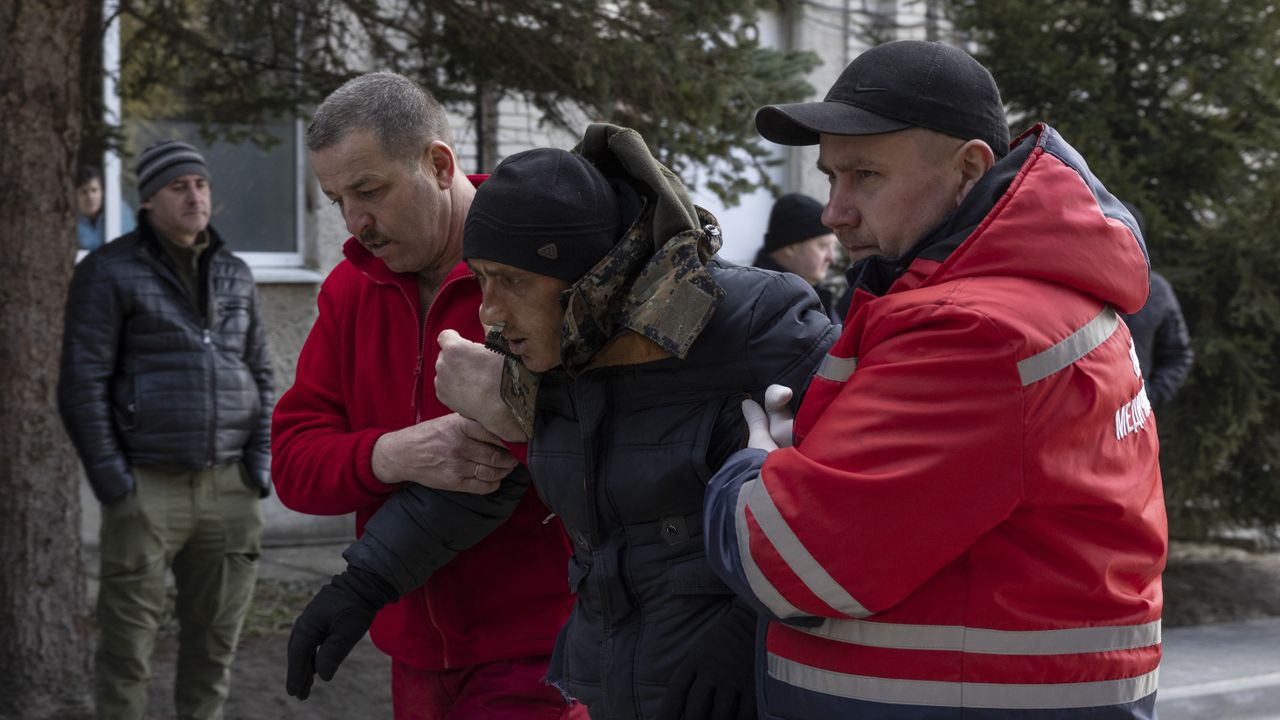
[94, 133]
[486, 118]
[44, 620]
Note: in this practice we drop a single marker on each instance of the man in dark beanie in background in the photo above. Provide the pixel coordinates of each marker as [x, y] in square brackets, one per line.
[797, 242]
[629, 346]
[1160, 336]
[967, 521]
[166, 392]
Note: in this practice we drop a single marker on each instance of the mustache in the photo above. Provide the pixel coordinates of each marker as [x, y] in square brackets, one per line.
[372, 238]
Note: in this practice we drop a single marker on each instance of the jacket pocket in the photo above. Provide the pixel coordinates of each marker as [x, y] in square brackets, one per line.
[138, 407]
[232, 324]
[694, 576]
[578, 572]
[693, 598]
[124, 402]
[125, 417]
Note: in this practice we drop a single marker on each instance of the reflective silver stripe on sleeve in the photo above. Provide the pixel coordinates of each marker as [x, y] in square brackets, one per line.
[992, 642]
[1070, 349]
[836, 369]
[760, 585]
[1009, 696]
[796, 556]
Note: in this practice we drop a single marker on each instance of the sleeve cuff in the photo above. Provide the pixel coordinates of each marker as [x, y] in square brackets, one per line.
[364, 464]
[519, 451]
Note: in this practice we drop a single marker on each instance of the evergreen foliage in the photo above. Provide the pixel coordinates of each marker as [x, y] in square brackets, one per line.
[687, 74]
[1176, 106]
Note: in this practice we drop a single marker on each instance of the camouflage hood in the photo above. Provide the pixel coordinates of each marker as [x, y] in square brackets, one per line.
[651, 296]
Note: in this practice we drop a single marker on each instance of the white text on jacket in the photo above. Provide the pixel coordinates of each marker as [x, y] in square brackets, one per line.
[1133, 415]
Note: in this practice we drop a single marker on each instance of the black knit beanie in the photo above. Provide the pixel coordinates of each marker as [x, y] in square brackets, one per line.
[795, 218]
[546, 211]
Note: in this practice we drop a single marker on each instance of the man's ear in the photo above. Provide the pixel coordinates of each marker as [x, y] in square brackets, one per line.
[973, 160]
[439, 161]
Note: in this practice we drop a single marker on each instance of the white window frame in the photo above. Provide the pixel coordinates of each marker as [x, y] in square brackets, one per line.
[275, 267]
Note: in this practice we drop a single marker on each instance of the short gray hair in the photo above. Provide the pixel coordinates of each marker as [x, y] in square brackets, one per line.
[397, 111]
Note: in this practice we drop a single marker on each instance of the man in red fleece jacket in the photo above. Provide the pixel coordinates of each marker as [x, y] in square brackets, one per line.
[362, 420]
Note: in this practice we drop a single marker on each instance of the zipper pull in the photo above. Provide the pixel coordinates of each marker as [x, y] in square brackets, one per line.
[207, 337]
[417, 388]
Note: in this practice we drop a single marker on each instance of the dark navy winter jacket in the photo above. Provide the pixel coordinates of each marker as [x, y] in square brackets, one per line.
[1163, 344]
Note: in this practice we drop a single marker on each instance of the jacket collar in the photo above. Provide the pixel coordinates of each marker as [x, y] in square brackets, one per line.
[765, 261]
[150, 240]
[377, 271]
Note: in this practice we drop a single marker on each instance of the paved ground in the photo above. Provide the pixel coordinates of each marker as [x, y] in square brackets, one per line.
[1211, 670]
[1227, 671]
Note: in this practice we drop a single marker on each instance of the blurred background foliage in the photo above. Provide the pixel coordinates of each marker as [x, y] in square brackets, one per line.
[687, 74]
[1176, 107]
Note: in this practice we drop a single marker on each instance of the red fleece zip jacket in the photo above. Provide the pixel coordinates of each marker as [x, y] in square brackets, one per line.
[367, 368]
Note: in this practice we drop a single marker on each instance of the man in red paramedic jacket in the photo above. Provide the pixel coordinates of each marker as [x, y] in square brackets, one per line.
[970, 522]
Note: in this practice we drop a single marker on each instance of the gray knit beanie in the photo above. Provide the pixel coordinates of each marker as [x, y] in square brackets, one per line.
[165, 160]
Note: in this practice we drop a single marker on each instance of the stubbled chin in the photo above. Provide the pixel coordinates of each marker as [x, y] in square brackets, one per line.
[860, 254]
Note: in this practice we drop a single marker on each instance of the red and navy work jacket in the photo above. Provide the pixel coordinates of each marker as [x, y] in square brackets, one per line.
[971, 521]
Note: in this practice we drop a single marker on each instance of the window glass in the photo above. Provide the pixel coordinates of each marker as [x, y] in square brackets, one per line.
[255, 191]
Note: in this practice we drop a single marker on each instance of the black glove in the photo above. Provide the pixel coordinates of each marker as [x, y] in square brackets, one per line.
[716, 680]
[333, 622]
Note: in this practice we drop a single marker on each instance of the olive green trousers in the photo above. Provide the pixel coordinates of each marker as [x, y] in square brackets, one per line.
[206, 525]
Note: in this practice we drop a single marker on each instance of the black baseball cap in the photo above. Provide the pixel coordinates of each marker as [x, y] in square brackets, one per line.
[895, 86]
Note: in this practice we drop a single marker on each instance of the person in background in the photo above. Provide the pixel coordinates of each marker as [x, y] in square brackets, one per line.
[90, 219]
[1160, 336]
[965, 519]
[797, 242]
[363, 423]
[166, 392]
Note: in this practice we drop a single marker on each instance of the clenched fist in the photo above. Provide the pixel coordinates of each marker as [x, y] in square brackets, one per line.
[468, 380]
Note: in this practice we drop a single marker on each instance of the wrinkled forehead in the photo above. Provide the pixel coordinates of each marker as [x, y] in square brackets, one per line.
[354, 159]
[842, 153]
[838, 153]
